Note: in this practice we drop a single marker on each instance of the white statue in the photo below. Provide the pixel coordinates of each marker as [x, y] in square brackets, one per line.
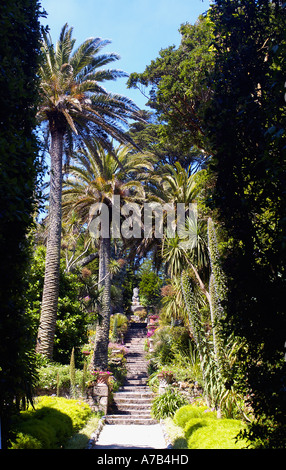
[135, 297]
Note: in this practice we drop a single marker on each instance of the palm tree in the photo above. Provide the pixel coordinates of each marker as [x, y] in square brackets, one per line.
[96, 178]
[73, 107]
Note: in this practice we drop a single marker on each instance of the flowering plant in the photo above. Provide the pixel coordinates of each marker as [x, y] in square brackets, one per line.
[117, 346]
[87, 349]
[150, 332]
[154, 316]
[101, 372]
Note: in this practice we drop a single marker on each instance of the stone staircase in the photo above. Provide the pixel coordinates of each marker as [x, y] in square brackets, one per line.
[132, 403]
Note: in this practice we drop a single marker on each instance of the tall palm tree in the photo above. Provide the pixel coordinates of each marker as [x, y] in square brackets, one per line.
[97, 177]
[74, 107]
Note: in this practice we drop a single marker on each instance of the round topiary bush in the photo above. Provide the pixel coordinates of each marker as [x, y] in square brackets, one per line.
[185, 413]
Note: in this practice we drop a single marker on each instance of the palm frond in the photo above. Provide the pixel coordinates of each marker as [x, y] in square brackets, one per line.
[71, 85]
[64, 46]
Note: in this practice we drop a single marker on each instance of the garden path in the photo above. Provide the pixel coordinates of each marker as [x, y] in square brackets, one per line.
[129, 424]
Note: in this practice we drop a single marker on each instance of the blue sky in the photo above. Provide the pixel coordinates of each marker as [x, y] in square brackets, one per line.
[137, 29]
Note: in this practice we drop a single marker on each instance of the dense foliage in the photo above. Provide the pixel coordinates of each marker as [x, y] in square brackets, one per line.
[177, 90]
[246, 122]
[73, 316]
[19, 53]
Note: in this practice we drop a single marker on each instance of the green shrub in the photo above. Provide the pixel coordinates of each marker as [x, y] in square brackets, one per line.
[76, 410]
[25, 441]
[50, 424]
[185, 413]
[171, 344]
[214, 434]
[193, 424]
[167, 404]
[118, 326]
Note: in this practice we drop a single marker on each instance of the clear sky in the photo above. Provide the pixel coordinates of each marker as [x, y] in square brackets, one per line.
[137, 29]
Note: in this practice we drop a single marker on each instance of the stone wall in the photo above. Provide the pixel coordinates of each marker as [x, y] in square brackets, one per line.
[98, 397]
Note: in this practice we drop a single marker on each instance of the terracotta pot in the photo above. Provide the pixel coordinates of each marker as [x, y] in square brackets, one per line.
[102, 379]
[167, 379]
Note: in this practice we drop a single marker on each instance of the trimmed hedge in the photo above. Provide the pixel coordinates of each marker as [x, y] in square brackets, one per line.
[53, 421]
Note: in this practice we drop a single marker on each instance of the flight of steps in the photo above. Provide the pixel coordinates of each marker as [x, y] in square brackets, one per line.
[132, 403]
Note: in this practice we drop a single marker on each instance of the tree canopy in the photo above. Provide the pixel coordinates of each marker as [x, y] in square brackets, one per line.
[177, 89]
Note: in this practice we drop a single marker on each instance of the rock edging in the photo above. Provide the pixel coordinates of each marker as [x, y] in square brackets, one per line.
[95, 435]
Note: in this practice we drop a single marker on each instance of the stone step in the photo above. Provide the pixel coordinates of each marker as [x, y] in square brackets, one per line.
[132, 403]
[130, 393]
[130, 388]
[136, 364]
[136, 379]
[134, 367]
[118, 407]
[141, 367]
[119, 419]
[143, 413]
[130, 407]
[131, 380]
[137, 372]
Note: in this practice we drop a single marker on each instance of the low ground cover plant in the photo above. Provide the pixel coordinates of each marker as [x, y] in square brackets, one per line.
[50, 424]
[81, 439]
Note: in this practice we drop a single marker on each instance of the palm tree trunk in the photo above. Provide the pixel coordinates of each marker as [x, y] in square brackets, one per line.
[47, 326]
[100, 354]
